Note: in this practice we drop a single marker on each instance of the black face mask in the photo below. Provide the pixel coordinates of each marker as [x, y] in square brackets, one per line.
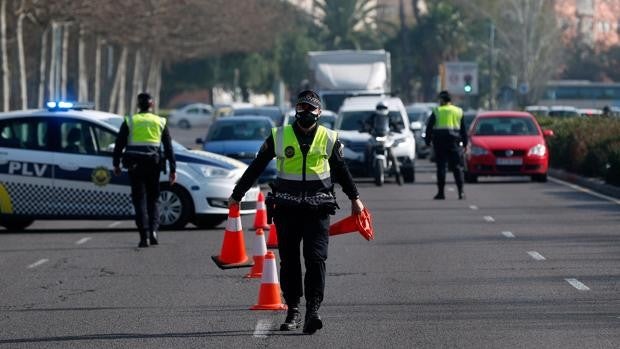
[306, 119]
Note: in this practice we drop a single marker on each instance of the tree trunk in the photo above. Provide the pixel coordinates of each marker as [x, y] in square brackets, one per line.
[122, 88]
[21, 56]
[138, 80]
[42, 67]
[117, 81]
[154, 80]
[65, 61]
[6, 97]
[83, 72]
[52, 86]
[98, 73]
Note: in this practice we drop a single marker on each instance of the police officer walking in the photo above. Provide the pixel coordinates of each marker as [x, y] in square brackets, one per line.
[141, 136]
[446, 130]
[303, 196]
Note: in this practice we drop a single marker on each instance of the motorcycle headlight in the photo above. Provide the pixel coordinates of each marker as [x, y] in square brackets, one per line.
[538, 150]
[478, 151]
[210, 171]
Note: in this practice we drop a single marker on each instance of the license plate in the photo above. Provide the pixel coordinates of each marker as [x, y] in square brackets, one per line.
[509, 161]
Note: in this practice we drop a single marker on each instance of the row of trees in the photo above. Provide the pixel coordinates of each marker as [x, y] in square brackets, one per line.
[108, 51]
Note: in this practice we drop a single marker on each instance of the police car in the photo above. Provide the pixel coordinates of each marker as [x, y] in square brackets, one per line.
[56, 163]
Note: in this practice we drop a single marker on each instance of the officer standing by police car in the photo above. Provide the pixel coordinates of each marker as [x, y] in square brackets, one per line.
[303, 199]
[446, 130]
[141, 136]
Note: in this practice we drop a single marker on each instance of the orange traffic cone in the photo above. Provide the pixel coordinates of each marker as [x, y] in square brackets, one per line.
[272, 241]
[361, 222]
[269, 293]
[260, 220]
[260, 249]
[233, 248]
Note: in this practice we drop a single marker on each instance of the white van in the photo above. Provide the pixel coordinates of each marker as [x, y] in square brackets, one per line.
[57, 164]
[351, 116]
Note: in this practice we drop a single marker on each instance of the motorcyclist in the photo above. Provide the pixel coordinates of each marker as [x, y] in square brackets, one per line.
[379, 125]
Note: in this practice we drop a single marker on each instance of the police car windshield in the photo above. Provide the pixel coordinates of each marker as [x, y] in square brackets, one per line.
[117, 122]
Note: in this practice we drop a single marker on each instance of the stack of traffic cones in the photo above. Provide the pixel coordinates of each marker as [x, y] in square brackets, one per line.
[233, 254]
[269, 292]
[260, 220]
[260, 249]
[272, 242]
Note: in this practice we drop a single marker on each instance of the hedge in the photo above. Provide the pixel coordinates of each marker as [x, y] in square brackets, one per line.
[586, 146]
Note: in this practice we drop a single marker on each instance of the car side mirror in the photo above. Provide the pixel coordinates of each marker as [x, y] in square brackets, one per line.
[548, 133]
[415, 126]
[199, 141]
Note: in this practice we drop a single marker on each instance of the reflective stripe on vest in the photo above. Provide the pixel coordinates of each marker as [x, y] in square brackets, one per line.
[290, 159]
[145, 129]
[448, 117]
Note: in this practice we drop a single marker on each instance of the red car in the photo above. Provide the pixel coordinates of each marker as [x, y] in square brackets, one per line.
[507, 143]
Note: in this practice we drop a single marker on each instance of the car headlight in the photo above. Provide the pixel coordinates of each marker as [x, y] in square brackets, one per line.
[538, 150]
[210, 171]
[478, 151]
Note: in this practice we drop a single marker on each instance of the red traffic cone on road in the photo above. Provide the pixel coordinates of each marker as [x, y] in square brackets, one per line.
[259, 249]
[260, 220]
[233, 254]
[272, 242]
[361, 223]
[269, 292]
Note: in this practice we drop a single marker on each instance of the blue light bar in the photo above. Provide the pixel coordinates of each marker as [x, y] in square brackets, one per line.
[65, 105]
[51, 105]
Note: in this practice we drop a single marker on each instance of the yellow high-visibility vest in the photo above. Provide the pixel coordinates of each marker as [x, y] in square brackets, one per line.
[289, 158]
[145, 129]
[448, 117]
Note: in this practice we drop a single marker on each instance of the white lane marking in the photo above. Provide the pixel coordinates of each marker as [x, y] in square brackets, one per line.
[577, 284]
[588, 191]
[537, 256]
[115, 224]
[262, 328]
[489, 219]
[37, 263]
[451, 189]
[82, 240]
[508, 234]
[474, 207]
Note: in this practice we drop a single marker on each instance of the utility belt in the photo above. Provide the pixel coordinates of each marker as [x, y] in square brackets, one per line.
[318, 203]
[131, 160]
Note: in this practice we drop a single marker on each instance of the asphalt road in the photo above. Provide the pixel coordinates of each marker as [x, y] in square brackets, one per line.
[516, 264]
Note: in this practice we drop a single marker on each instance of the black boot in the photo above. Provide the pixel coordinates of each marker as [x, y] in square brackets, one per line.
[312, 321]
[461, 194]
[292, 321]
[439, 196]
[153, 238]
[144, 242]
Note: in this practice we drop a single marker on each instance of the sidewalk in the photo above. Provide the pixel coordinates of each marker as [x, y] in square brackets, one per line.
[594, 184]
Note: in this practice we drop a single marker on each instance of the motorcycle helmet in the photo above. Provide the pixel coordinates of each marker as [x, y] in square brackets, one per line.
[382, 108]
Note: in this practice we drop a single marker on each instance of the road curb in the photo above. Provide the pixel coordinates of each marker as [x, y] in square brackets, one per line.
[594, 184]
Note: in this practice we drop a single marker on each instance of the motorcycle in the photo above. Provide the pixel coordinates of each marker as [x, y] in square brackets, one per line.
[379, 156]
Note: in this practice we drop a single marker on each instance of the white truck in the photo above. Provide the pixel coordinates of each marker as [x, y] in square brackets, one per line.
[339, 74]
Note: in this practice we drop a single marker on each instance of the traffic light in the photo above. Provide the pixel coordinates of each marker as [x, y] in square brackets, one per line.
[467, 86]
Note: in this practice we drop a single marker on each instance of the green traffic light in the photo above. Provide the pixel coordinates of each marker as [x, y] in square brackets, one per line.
[467, 88]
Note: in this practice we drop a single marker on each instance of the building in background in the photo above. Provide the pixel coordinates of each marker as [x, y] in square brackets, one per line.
[594, 22]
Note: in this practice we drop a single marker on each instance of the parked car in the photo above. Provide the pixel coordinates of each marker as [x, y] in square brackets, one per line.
[589, 112]
[192, 115]
[537, 110]
[57, 164]
[418, 116]
[507, 143]
[351, 117]
[274, 113]
[240, 138]
[559, 111]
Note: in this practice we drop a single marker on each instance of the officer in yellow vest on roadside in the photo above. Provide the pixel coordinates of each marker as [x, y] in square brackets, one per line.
[141, 137]
[307, 155]
[446, 130]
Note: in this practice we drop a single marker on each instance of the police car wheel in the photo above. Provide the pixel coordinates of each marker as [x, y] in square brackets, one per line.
[175, 207]
[16, 224]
